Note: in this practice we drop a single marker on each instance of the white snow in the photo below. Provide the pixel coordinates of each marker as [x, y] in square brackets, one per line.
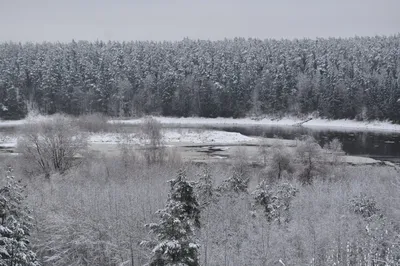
[7, 141]
[357, 160]
[193, 245]
[352, 125]
[170, 136]
[174, 136]
[200, 121]
[12, 123]
[204, 136]
[29, 119]
[111, 138]
[316, 123]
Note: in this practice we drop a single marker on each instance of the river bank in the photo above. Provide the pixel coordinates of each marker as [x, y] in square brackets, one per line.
[197, 145]
[343, 125]
[311, 123]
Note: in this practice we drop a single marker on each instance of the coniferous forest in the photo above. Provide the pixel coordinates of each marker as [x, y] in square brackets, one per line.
[356, 78]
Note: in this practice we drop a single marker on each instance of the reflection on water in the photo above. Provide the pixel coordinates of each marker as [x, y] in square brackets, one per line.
[371, 144]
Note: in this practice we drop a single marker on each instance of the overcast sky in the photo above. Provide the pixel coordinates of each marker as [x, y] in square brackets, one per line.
[64, 20]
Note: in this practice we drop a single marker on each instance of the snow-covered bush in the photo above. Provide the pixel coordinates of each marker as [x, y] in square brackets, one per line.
[275, 199]
[364, 205]
[152, 139]
[240, 177]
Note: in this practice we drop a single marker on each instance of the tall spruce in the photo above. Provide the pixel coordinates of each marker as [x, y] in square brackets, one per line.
[176, 243]
[15, 226]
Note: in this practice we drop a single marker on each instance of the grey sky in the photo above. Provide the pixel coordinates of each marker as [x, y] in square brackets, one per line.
[64, 20]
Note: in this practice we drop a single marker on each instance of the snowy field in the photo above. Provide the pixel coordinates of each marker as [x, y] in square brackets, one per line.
[177, 136]
[170, 137]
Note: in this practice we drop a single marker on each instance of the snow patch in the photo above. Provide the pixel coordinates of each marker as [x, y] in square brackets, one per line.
[188, 136]
[8, 141]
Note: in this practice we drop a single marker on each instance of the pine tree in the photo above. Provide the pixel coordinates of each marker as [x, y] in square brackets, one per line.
[205, 188]
[238, 182]
[15, 226]
[275, 200]
[176, 244]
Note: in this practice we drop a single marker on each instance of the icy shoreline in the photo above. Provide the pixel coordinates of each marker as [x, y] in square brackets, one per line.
[170, 137]
[320, 124]
[315, 124]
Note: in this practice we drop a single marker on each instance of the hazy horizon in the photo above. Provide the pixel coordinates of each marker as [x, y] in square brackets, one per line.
[156, 20]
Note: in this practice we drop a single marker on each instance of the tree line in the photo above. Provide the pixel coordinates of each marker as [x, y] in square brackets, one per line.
[356, 78]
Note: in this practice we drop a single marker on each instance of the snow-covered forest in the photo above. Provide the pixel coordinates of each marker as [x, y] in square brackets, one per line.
[355, 78]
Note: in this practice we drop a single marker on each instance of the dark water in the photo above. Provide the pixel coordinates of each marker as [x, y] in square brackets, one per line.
[384, 146]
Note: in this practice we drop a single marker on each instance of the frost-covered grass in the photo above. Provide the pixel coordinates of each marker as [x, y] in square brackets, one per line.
[95, 213]
[98, 211]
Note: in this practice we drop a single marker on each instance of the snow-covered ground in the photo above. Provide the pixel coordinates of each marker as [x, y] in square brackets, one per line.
[30, 118]
[170, 137]
[12, 123]
[8, 141]
[176, 136]
[317, 123]
[352, 125]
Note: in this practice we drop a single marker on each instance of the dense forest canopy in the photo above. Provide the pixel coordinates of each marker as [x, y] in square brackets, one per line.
[338, 78]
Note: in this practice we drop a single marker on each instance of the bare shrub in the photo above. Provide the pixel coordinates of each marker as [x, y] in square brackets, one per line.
[95, 122]
[333, 154]
[334, 145]
[173, 157]
[309, 153]
[152, 139]
[151, 134]
[126, 148]
[263, 151]
[281, 162]
[52, 145]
